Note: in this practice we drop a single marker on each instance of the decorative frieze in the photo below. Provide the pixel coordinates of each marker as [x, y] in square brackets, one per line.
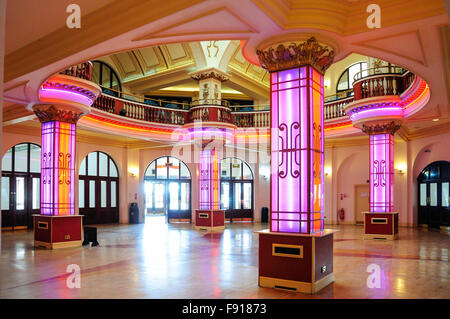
[210, 74]
[306, 53]
[381, 128]
[47, 113]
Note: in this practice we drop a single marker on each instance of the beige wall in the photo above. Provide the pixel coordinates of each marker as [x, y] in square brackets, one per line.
[349, 167]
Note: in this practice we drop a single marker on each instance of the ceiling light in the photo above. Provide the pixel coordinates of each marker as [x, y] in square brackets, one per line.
[435, 120]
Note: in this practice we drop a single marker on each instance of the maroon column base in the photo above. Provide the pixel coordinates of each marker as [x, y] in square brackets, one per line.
[381, 225]
[295, 262]
[54, 232]
[209, 219]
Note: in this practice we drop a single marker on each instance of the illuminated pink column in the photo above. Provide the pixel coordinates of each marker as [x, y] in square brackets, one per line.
[209, 180]
[379, 117]
[297, 148]
[381, 172]
[65, 100]
[296, 253]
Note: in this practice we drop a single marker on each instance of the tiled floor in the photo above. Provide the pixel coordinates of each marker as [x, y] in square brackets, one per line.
[155, 260]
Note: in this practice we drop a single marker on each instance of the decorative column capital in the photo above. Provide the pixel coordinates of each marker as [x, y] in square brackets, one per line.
[309, 52]
[381, 128]
[211, 73]
[48, 112]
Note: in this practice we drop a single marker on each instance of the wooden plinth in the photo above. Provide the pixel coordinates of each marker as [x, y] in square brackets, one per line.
[381, 225]
[295, 262]
[209, 220]
[53, 232]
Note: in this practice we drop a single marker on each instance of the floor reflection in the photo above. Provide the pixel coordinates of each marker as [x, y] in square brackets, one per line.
[161, 260]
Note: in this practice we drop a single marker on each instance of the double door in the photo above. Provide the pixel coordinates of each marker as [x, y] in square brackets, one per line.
[170, 198]
[236, 198]
[98, 200]
[21, 198]
[434, 209]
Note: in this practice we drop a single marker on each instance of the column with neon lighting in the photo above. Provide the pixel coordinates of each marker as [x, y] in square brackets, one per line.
[296, 253]
[379, 117]
[65, 99]
[209, 216]
[209, 125]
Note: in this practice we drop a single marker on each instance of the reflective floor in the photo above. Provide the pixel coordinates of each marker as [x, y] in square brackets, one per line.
[156, 260]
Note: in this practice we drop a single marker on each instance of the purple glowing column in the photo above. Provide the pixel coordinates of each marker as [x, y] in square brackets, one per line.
[381, 173]
[58, 168]
[209, 180]
[297, 151]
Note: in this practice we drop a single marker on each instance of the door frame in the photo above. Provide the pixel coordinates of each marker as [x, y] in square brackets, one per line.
[355, 186]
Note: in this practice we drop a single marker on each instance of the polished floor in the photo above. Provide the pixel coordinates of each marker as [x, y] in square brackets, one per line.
[156, 260]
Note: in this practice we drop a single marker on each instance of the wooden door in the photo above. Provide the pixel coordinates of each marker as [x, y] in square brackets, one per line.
[361, 202]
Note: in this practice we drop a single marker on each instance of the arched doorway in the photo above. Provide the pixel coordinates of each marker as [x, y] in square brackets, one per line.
[167, 189]
[98, 189]
[236, 189]
[21, 184]
[433, 200]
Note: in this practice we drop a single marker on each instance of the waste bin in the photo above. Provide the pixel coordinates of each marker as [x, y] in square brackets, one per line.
[133, 213]
[264, 215]
[90, 236]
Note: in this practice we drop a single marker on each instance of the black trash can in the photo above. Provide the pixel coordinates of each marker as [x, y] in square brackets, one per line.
[133, 213]
[90, 236]
[264, 215]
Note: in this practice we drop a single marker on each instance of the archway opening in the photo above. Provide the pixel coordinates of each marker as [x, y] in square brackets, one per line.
[433, 200]
[167, 190]
[21, 186]
[98, 189]
[236, 189]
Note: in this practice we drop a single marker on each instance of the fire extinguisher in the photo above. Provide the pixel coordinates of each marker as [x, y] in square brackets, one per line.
[341, 214]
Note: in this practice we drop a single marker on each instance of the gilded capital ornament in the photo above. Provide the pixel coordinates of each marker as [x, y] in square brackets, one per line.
[47, 113]
[378, 128]
[219, 76]
[309, 52]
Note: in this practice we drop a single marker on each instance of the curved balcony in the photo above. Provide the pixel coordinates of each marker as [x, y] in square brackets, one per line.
[375, 82]
[381, 81]
[384, 95]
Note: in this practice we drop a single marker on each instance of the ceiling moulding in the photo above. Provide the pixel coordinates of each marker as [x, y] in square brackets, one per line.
[218, 21]
[345, 17]
[127, 64]
[407, 45]
[346, 142]
[16, 93]
[429, 131]
[177, 54]
[106, 23]
[150, 59]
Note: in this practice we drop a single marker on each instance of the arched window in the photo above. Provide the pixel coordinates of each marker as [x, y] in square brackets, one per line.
[433, 201]
[236, 188]
[21, 183]
[98, 189]
[345, 81]
[167, 187]
[107, 78]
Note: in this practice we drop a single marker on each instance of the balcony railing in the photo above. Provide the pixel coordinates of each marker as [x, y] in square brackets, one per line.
[367, 83]
[140, 111]
[381, 81]
[82, 71]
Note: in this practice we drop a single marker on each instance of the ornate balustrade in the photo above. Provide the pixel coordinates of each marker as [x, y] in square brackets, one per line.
[252, 119]
[381, 81]
[335, 109]
[140, 111]
[368, 83]
[210, 113]
[82, 71]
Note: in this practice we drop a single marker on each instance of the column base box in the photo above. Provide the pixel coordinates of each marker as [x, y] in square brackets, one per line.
[295, 262]
[381, 225]
[53, 232]
[210, 220]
